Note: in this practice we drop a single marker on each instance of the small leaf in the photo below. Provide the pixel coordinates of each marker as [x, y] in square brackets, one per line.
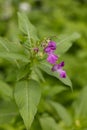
[38, 72]
[48, 123]
[27, 96]
[8, 110]
[23, 72]
[47, 68]
[26, 27]
[62, 112]
[5, 90]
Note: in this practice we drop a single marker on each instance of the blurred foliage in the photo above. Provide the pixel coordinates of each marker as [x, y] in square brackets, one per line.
[52, 18]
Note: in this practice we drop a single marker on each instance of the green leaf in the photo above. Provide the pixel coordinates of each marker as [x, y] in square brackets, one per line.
[7, 46]
[8, 110]
[12, 51]
[80, 105]
[36, 125]
[27, 96]
[65, 42]
[23, 72]
[13, 56]
[63, 47]
[26, 27]
[5, 90]
[38, 73]
[62, 113]
[55, 90]
[47, 68]
[48, 123]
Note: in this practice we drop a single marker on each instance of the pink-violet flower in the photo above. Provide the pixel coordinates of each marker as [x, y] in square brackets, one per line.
[50, 47]
[52, 58]
[62, 73]
[48, 50]
[58, 68]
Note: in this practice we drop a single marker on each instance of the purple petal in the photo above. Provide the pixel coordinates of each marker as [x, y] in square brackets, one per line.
[48, 50]
[62, 73]
[52, 45]
[55, 67]
[62, 64]
[52, 58]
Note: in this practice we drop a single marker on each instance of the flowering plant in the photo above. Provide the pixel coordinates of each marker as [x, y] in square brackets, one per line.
[30, 58]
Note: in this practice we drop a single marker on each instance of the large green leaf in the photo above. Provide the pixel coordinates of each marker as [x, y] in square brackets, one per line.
[65, 42]
[26, 27]
[13, 56]
[63, 47]
[5, 90]
[12, 51]
[48, 123]
[47, 68]
[27, 96]
[62, 113]
[8, 46]
[8, 110]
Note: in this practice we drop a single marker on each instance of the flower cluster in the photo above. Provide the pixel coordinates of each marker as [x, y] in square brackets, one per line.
[52, 59]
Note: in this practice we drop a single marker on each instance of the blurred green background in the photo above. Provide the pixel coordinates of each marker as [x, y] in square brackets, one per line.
[52, 18]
